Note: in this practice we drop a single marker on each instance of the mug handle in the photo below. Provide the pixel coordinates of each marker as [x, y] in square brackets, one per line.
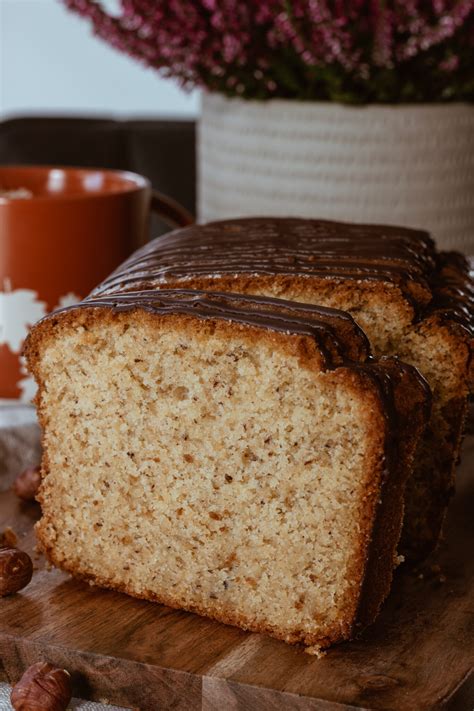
[170, 210]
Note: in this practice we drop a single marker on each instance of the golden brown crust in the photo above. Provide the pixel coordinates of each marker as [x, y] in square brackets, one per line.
[413, 411]
[307, 349]
[227, 618]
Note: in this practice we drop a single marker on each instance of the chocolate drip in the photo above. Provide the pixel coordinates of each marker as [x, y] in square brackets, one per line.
[335, 331]
[377, 370]
[304, 248]
[453, 290]
[279, 246]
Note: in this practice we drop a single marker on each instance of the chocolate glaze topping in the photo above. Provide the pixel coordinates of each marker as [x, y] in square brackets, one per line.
[271, 246]
[338, 336]
[453, 289]
[304, 248]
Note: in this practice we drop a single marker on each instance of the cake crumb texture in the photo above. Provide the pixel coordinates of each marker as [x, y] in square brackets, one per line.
[219, 468]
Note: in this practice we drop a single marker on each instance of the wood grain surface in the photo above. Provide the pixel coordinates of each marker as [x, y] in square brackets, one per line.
[418, 655]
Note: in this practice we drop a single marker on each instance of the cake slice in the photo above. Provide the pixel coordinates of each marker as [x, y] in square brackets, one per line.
[411, 301]
[240, 457]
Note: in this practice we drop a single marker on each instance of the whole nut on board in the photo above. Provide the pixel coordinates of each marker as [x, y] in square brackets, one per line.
[42, 688]
[16, 570]
[26, 484]
[8, 538]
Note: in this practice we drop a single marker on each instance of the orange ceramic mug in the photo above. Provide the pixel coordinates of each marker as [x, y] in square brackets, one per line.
[63, 230]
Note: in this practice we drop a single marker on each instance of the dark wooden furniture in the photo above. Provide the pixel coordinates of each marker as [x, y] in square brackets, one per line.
[161, 150]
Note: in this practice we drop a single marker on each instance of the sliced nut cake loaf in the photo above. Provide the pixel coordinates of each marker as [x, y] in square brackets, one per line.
[239, 457]
[411, 301]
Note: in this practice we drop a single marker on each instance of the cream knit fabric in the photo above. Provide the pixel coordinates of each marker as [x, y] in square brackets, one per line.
[406, 165]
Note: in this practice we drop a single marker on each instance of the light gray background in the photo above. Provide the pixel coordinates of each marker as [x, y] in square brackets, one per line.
[50, 63]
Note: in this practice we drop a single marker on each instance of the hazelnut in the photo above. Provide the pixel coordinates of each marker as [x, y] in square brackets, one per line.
[8, 539]
[16, 570]
[42, 688]
[27, 483]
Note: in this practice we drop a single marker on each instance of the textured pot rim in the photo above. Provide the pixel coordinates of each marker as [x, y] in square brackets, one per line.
[298, 105]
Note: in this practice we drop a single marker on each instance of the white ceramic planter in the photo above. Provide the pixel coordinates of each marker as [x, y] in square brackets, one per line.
[406, 165]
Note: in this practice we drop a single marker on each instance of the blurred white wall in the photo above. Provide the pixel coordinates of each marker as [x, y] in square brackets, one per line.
[50, 63]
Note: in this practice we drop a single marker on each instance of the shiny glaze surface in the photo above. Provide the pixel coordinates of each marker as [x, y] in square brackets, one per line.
[280, 246]
[323, 324]
[304, 248]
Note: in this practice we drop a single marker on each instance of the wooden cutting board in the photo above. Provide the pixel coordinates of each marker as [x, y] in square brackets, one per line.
[418, 655]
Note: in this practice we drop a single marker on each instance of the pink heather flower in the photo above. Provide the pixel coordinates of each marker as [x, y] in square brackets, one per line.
[266, 47]
[450, 64]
